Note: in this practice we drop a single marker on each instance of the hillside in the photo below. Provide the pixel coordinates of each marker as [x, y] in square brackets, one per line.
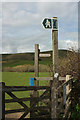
[11, 60]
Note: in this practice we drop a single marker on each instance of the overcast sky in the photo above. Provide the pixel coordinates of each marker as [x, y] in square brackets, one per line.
[22, 29]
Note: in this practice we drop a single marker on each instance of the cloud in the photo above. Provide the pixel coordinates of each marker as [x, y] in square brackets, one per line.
[22, 25]
[27, 44]
[22, 18]
[71, 43]
[14, 16]
[40, 1]
[1, 27]
[68, 44]
[7, 49]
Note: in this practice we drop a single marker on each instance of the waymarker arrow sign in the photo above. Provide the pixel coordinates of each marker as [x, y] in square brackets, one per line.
[48, 23]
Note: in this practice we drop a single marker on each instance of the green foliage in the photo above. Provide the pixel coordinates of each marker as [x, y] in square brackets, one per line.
[75, 115]
[75, 98]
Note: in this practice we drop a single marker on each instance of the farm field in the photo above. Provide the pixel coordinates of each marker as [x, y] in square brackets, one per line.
[11, 60]
[20, 79]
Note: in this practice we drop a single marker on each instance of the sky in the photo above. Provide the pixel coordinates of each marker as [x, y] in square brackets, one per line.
[22, 29]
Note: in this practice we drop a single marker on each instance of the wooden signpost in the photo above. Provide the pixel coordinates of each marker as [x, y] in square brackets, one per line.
[36, 83]
[53, 24]
[48, 23]
[54, 99]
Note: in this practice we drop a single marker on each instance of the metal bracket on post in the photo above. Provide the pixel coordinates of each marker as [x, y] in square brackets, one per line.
[56, 75]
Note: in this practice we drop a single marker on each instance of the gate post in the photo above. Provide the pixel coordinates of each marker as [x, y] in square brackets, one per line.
[3, 101]
[0, 100]
[67, 88]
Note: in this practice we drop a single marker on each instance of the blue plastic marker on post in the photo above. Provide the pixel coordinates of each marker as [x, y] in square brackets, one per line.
[31, 81]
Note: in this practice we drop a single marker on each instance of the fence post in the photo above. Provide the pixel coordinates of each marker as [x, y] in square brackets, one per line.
[3, 101]
[0, 100]
[72, 89]
[67, 90]
[67, 87]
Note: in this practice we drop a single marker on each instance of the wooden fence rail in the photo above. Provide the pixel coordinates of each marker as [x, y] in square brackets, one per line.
[24, 88]
[50, 78]
[63, 92]
[10, 89]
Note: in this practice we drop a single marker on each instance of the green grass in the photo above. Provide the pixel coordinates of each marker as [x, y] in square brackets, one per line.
[13, 63]
[20, 79]
[45, 62]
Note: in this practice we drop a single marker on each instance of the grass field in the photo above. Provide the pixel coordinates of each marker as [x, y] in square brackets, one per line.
[11, 60]
[20, 79]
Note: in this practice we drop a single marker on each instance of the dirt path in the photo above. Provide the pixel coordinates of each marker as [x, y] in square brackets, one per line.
[14, 116]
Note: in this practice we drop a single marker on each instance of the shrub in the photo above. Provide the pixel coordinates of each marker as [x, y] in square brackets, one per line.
[8, 69]
[26, 68]
[20, 68]
[70, 65]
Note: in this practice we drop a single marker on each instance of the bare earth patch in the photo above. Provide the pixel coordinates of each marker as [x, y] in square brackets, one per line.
[15, 116]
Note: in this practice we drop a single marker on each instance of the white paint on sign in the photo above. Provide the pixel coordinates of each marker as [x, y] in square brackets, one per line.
[44, 55]
[47, 23]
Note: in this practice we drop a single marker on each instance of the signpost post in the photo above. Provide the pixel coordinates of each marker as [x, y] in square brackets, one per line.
[53, 24]
[34, 82]
[55, 68]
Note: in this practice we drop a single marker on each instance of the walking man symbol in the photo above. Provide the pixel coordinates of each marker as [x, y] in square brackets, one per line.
[47, 23]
